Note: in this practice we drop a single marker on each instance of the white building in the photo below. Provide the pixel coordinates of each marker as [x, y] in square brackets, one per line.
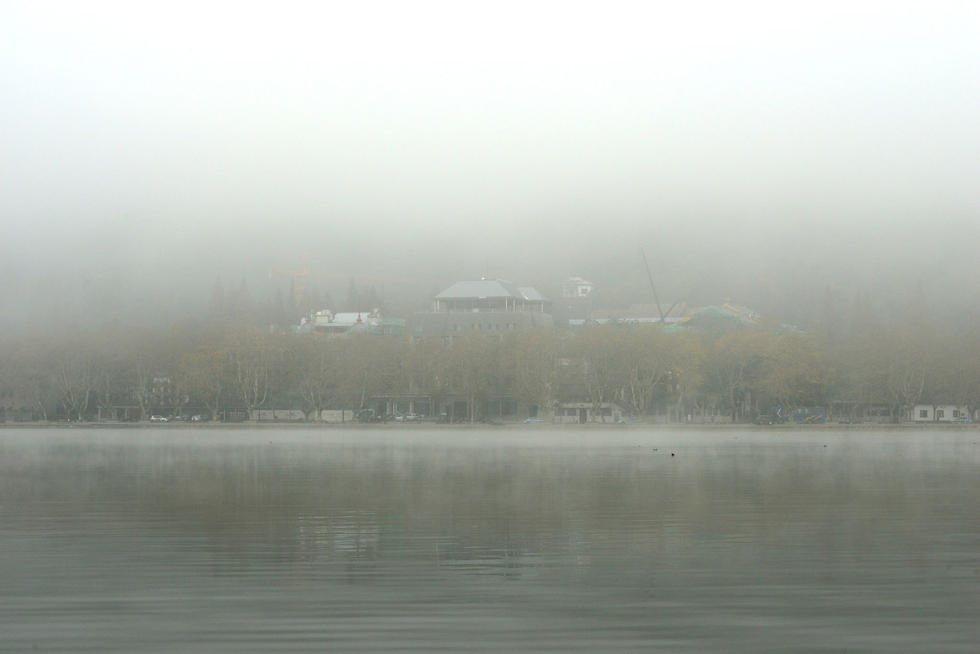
[940, 413]
[342, 323]
[576, 287]
[585, 412]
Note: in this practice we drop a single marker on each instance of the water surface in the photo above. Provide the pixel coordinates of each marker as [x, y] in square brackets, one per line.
[165, 540]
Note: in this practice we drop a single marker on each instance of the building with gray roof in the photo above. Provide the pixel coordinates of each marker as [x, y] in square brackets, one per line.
[488, 305]
[490, 295]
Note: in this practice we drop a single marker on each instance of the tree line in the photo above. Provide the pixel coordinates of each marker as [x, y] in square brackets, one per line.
[736, 373]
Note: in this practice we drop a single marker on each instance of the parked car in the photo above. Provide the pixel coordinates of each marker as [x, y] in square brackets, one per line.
[157, 419]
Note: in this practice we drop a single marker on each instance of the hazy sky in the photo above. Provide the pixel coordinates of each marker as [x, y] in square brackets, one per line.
[156, 138]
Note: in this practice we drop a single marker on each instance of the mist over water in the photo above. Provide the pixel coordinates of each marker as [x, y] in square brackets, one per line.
[513, 540]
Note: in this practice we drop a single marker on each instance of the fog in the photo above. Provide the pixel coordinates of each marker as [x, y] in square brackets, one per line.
[763, 152]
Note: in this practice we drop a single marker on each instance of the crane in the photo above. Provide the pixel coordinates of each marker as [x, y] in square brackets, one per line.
[663, 315]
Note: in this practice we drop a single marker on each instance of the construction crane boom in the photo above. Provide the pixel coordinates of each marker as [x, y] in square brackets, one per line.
[663, 320]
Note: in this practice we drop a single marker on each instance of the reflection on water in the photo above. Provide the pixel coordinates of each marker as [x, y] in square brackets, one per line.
[262, 540]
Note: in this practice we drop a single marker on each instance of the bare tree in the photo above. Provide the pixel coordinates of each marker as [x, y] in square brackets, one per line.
[76, 380]
[603, 361]
[315, 363]
[204, 374]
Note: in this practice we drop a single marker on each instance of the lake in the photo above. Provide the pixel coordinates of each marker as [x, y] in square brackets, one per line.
[233, 540]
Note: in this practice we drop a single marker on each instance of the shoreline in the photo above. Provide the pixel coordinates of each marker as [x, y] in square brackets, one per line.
[482, 425]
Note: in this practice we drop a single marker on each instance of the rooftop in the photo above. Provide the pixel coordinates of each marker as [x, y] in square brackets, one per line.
[489, 288]
[531, 293]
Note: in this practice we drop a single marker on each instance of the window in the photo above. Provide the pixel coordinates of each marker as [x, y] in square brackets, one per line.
[923, 413]
[956, 413]
[940, 413]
